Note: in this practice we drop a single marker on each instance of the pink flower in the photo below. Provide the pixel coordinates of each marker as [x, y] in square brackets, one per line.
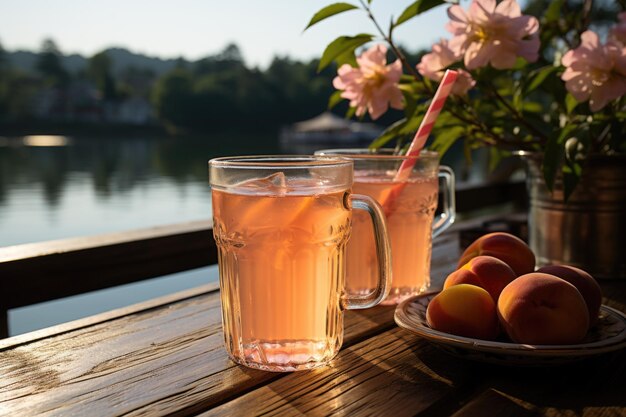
[433, 64]
[373, 86]
[618, 32]
[595, 72]
[493, 34]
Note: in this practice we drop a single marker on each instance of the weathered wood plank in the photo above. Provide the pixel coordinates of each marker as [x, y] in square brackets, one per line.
[106, 316]
[39, 272]
[399, 374]
[156, 361]
[395, 374]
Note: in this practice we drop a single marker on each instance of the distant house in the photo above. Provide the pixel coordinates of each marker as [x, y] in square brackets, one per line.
[330, 129]
[78, 102]
[136, 111]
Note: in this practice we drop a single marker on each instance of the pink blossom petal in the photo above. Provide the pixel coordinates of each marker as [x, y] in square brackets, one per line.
[373, 85]
[609, 91]
[569, 74]
[509, 8]
[457, 14]
[395, 71]
[492, 33]
[589, 40]
[458, 45]
[373, 58]
[480, 11]
[396, 100]
[619, 59]
[504, 59]
[568, 58]
[377, 108]
[477, 55]
[523, 26]
[432, 64]
[529, 49]
[463, 83]
[577, 87]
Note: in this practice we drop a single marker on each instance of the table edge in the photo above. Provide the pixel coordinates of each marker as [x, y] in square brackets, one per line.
[58, 329]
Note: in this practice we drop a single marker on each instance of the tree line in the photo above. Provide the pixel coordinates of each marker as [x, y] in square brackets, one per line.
[216, 92]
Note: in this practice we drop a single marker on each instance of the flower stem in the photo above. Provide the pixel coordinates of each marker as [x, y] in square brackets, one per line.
[516, 114]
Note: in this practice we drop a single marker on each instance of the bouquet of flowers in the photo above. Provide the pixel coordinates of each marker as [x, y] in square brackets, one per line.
[550, 80]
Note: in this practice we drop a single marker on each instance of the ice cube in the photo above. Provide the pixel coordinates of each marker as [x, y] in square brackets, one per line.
[272, 184]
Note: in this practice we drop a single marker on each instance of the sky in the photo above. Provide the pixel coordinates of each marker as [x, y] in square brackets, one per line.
[197, 28]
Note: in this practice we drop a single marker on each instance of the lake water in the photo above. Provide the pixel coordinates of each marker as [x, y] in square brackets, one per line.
[55, 187]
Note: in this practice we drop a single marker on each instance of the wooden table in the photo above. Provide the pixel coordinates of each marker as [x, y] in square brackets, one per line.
[166, 357]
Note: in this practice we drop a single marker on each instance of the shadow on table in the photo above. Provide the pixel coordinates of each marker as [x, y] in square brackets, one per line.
[523, 391]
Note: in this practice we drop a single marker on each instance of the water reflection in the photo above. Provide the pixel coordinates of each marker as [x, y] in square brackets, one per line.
[46, 140]
[83, 186]
[70, 186]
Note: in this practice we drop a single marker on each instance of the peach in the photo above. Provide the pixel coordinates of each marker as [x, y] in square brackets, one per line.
[504, 246]
[543, 309]
[464, 310]
[486, 272]
[584, 283]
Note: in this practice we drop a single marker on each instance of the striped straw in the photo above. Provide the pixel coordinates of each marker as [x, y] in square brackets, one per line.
[442, 93]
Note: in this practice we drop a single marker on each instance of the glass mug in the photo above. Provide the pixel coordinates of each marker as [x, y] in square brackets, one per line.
[410, 216]
[281, 224]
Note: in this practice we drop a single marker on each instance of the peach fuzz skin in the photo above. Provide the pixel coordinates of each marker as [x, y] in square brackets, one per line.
[542, 309]
[464, 310]
[584, 283]
[486, 272]
[508, 248]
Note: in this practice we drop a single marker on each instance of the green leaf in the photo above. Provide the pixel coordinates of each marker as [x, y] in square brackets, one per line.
[410, 101]
[520, 63]
[334, 99]
[553, 155]
[539, 77]
[346, 58]
[570, 103]
[467, 151]
[571, 176]
[350, 112]
[388, 134]
[341, 46]
[420, 6]
[554, 10]
[445, 138]
[532, 107]
[414, 123]
[496, 155]
[329, 11]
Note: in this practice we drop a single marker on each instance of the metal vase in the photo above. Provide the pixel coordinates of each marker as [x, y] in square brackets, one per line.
[589, 230]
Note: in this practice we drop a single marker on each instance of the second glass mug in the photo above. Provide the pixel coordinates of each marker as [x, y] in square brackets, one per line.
[281, 224]
[410, 215]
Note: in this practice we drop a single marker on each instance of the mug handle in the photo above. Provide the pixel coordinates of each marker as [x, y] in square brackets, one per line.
[446, 218]
[383, 252]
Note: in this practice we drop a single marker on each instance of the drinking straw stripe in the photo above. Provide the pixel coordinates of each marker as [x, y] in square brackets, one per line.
[442, 93]
[419, 140]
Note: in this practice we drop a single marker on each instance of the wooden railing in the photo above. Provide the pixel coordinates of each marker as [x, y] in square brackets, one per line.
[38, 272]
